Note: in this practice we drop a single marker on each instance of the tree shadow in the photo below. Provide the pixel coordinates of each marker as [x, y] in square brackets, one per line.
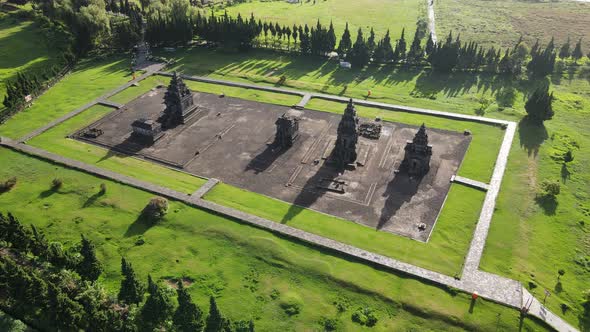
[558, 287]
[565, 173]
[430, 83]
[531, 135]
[399, 191]
[92, 199]
[547, 203]
[47, 193]
[138, 227]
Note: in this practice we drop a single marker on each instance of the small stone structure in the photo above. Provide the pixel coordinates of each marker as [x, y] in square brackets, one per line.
[179, 104]
[141, 52]
[344, 152]
[417, 156]
[147, 131]
[288, 128]
[370, 130]
[92, 133]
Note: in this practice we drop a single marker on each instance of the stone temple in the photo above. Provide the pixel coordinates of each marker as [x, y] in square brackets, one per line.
[344, 152]
[288, 128]
[417, 154]
[179, 102]
[146, 130]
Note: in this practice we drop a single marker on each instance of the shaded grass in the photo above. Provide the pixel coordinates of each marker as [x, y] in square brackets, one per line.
[54, 140]
[89, 80]
[240, 265]
[443, 253]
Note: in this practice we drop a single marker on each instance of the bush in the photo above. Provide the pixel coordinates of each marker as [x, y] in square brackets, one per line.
[56, 184]
[329, 324]
[156, 209]
[550, 188]
[8, 184]
[364, 316]
[568, 156]
[103, 189]
[291, 304]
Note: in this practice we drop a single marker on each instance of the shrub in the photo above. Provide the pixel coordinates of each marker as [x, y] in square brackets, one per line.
[103, 189]
[56, 184]
[364, 316]
[329, 324]
[550, 188]
[156, 209]
[291, 304]
[8, 184]
[568, 156]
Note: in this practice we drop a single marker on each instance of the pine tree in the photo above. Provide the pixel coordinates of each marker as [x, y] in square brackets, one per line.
[214, 321]
[564, 52]
[539, 105]
[131, 290]
[345, 42]
[157, 308]
[577, 53]
[429, 45]
[188, 317]
[371, 42]
[89, 268]
[415, 53]
[400, 48]
[359, 54]
[331, 38]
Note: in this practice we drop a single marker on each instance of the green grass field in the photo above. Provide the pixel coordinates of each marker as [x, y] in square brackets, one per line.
[23, 49]
[502, 22]
[249, 270]
[359, 14]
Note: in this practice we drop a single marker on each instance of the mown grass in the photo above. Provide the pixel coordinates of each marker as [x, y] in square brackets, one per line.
[23, 50]
[89, 80]
[502, 23]
[359, 14]
[54, 140]
[142, 87]
[240, 265]
[443, 253]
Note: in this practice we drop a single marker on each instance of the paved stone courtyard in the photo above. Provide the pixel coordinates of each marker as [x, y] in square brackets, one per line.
[229, 139]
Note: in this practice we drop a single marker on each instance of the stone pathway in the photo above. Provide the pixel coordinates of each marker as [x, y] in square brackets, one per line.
[304, 101]
[470, 183]
[431, 26]
[493, 287]
[109, 103]
[204, 188]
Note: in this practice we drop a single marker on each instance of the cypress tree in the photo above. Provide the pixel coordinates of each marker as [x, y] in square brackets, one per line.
[89, 268]
[415, 53]
[371, 42]
[214, 321]
[345, 42]
[577, 53]
[539, 105]
[331, 38]
[359, 54]
[157, 308]
[131, 290]
[400, 48]
[429, 45]
[188, 317]
[384, 51]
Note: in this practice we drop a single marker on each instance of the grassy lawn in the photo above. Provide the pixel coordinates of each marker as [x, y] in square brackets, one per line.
[23, 49]
[359, 14]
[443, 253]
[502, 22]
[143, 86]
[241, 265]
[54, 140]
[89, 80]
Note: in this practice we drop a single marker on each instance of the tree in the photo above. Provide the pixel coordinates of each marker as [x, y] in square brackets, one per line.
[345, 42]
[157, 308]
[155, 210]
[400, 48]
[416, 53]
[188, 317]
[359, 54]
[564, 52]
[131, 290]
[429, 45]
[331, 38]
[539, 105]
[371, 42]
[214, 321]
[384, 51]
[89, 267]
[577, 53]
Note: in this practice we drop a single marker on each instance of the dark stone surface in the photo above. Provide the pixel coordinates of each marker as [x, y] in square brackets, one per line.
[231, 141]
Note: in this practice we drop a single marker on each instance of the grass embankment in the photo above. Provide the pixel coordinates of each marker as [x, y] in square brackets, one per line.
[89, 80]
[250, 271]
[359, 14]
[23, 49]
[501, 23]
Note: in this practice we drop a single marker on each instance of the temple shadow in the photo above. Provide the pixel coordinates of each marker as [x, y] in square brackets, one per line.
[266, 158]
[311, 192]
[565, 173]
[548, 204]
[531, 135]
[129, 147]
[399, 191]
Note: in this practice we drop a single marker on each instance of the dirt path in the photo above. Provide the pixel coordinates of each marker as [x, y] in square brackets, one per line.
[431, 27]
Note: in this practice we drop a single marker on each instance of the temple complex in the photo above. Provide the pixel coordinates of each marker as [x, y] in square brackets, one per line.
[417, 154]
[147, 131]
[179, 104]
[344, 152]
[288, 128]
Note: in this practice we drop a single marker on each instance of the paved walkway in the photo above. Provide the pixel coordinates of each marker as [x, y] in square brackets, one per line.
[470, 183]
[496, 288]
[109, 103]
[306, 98]
[431, 26]
[205, 188]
